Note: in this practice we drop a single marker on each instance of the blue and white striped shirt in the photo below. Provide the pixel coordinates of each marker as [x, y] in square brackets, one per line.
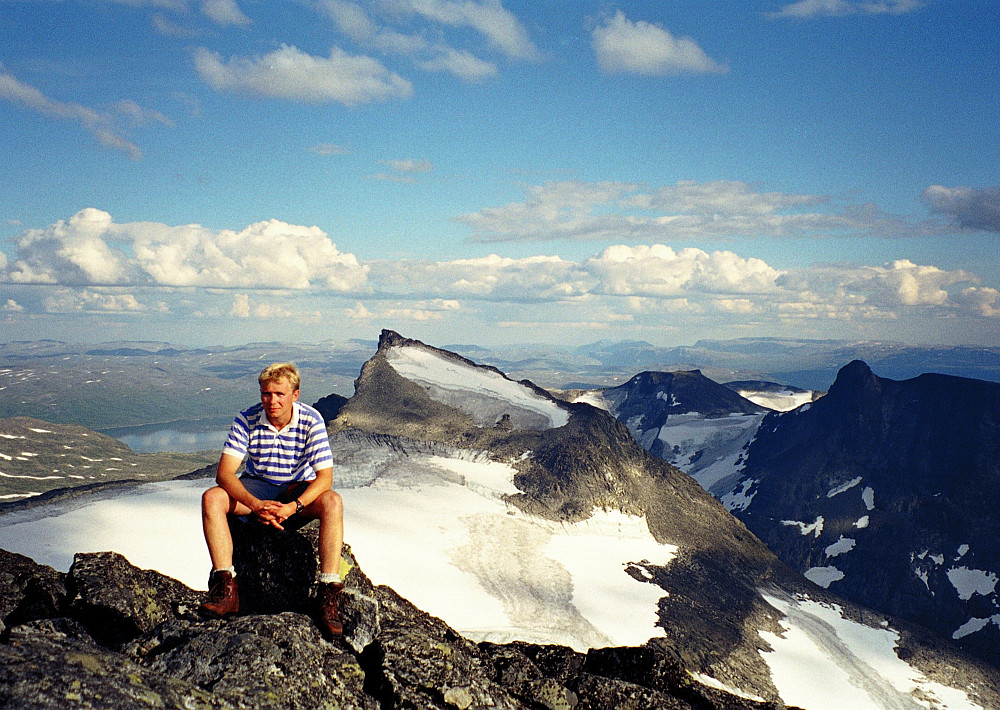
[295, 453]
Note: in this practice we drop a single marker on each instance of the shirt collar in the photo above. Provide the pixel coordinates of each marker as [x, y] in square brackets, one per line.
[293, 420]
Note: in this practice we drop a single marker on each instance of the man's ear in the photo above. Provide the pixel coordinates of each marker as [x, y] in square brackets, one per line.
[295, 396]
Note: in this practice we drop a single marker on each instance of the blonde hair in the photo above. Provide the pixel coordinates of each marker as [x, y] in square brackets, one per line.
[278, 370]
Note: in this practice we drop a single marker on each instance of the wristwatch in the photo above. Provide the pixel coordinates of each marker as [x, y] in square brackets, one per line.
[298, 506]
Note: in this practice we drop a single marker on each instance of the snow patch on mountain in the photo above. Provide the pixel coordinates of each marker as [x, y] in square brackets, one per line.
[823, 576]
[740, 498]
[824, 661]
[707, 449]
[814, 528]
[972, 581]
[975, 624]
[779, 401]
[595, 398]
[483, 394]
[843, 487]
[868, 496]
[842, 545]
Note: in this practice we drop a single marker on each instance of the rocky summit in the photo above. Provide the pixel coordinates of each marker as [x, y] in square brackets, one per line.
[109, 635]
[887, 492]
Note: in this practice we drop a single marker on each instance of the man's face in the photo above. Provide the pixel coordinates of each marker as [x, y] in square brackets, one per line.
[277, 397]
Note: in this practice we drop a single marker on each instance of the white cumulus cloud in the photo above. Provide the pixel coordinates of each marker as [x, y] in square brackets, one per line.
[90, 248]
[289, 73]
[644, 48]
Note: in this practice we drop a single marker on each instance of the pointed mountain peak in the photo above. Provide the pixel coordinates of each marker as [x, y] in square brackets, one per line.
[854, 378]
[410, 381]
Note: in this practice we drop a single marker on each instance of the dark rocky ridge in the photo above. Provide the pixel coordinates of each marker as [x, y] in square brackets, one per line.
[110, 635]
[929, 450]
[659, 394]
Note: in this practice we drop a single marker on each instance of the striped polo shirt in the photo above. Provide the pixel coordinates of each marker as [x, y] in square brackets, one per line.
[295, 453]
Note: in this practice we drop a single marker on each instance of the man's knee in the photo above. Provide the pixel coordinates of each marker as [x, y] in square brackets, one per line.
[328, 503]
[215, 500]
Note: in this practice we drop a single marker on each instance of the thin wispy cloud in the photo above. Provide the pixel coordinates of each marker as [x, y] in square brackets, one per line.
[429, 46]
[640, 47]
[224, 12]
[99, 124]
[328, 149]
[408, 165]
[840, 8]
[607, 211]
[491, 19]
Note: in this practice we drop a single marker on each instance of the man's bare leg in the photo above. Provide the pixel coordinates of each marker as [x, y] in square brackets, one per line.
[216, 504]
[329, 508]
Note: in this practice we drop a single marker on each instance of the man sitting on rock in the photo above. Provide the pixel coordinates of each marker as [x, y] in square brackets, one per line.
[288, 472]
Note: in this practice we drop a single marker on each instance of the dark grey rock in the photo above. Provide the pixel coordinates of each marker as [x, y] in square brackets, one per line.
[117, 602]
[599, 693]
[259, 661]
[28, 590]
[419, 661]
[276, 569]
[41, 667]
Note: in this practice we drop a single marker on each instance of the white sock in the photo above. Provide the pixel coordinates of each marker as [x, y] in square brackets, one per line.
[230, 569]
[327, 577]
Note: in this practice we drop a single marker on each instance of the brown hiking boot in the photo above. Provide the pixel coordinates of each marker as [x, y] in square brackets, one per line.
[329, 608]
[223, 595]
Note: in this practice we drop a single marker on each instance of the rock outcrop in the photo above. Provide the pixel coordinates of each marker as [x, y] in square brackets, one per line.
[107, 634]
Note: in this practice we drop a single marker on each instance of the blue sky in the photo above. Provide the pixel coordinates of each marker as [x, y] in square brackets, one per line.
[228, 171]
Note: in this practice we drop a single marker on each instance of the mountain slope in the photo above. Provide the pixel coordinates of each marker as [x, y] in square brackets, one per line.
[887, 492]
[38, 456]
[686, 419]
[574, 465]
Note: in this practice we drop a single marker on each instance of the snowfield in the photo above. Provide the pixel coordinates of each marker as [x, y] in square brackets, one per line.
[782, 401]
[436, 527]
[824, 661]
[433, 527]
[482, 394]
[707, 449]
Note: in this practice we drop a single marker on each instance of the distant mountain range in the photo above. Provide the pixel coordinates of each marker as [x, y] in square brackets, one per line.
[132, 383]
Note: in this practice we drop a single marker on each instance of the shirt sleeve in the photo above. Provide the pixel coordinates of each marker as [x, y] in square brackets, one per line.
[318, 452]
[239, 437]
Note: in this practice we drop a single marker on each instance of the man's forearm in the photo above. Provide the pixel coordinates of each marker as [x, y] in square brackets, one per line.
[317, 487]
